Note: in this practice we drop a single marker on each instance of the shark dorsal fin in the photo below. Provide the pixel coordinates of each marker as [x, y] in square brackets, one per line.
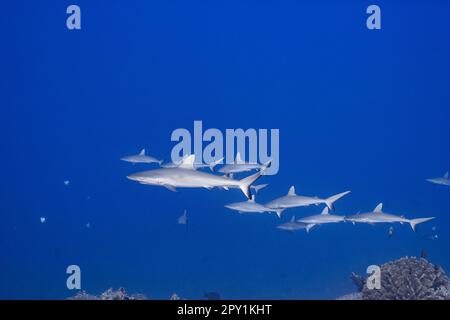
[325, 211]
[188, 162]
[379, 208]
[238, 158]
[293, 219]
[185, 213]
[446, 175]
[291, 191]
[142, 153]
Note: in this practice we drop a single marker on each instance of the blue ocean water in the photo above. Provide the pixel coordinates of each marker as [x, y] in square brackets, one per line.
[358, 109]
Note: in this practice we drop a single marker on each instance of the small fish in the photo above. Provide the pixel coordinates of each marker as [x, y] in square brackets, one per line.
[66, 182]
[183, 219]
[431, 237]
[43, 219]
[390, 232]
[88, 225]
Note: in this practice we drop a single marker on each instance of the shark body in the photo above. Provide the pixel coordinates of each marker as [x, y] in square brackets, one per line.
[249, 206]
[445, 181]
[185, 176]
[292, 200]
[141, 158]
[378, 216]
[293, 226]
[240, 166]
[322, 218]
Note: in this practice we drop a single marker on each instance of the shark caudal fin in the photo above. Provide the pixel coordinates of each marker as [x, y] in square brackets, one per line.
[142, 153]
[246, 183]
[415, 222]
[259, 187]
[331, 200]
[215, 163]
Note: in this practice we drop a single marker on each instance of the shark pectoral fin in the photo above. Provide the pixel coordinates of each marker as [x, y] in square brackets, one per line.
[309, 226]
[226, 188]
[169, 187]
[208, 187]
[279, 212]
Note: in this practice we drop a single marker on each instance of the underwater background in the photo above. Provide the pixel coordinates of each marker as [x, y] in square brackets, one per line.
[358, 109]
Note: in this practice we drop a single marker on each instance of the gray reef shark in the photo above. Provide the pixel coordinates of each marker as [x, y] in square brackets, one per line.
[324, 217]
[292, 200]
[211, 165]
[293, 225]
[240, 166]
[440, 180]
[185, 176]
[141, 158]
[249, 206]
[378, 216]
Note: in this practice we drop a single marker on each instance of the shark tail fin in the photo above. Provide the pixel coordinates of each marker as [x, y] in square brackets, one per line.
[259, 187]
[446, 175]
[213, 164]
[142, 153]
[415, 222]
[246, 183]
[331, 200]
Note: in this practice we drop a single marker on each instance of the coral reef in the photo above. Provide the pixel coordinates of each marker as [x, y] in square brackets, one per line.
[407, 278]
[109, 294]
[351, 296]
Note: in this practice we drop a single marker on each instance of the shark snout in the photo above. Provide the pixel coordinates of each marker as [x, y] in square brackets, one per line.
[133, 177]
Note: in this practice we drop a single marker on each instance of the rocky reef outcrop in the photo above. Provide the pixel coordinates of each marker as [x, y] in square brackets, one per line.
[408, 278]
[110, 294]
